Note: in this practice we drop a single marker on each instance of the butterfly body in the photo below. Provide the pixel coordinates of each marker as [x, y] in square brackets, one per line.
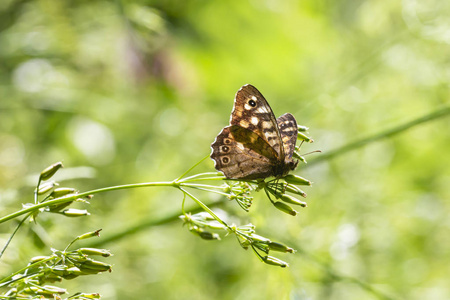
[256, 144]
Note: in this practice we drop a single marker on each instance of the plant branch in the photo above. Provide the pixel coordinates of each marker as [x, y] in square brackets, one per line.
[80, 195]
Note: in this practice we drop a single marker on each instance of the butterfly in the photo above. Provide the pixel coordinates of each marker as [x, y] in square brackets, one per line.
[255, 145]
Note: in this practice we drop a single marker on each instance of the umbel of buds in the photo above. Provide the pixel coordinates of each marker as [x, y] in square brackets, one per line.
[280, 189]
[61, 264]
[49, 190]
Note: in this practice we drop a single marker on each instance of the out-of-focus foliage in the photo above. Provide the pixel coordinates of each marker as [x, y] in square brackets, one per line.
[136, 91]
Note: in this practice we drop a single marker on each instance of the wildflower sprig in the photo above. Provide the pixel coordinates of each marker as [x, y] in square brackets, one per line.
[282, 193]
[31, 281]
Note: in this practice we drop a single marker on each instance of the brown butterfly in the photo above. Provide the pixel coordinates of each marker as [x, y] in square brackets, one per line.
[255, 145]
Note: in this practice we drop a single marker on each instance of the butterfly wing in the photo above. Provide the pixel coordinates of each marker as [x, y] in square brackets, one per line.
[235, 159]
[252, 112]
[287, 125]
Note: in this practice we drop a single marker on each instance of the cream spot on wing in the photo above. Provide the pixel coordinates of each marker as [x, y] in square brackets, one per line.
[247, 107]
[254, 121]
[261, 110]
[238, 113]
[240, 146]
[266, 125]
[254, 98]
[243, 123]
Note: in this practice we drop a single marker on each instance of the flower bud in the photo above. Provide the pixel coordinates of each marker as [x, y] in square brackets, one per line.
[295, 190]
[203, 216]
[38, 259]
[71, 273]
[50, 171]
[46, 291]
[259, 238]
[302, 128]
[215, 225]
[58, 207]
[280, 247]
[94, 251]
[302, 136]
[299, 157]
[94, 265]
[72, 212]
[248, 228]
[89, 235]
[292, 200]
[50, 290]
[59, 192]
[285, 208]
[297, 180]
[46, 187]
[206, 235]
[270, 260]
[273, 191]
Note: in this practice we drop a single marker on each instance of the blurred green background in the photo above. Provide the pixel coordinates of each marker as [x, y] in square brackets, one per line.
[136, 91]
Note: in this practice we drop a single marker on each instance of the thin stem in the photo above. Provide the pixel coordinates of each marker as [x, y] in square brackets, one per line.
[80, 195]
[14, 232]
[207, 190]
[209, 178]
[191, 168]
[202, 185]
[206, 208]
[182, 204]
[196, 176]
[442, 112]
[257, 253]
[36, 191]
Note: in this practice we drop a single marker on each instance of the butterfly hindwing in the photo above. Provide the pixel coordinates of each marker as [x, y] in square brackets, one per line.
[253, 112]
[287, 125]
[237, 161]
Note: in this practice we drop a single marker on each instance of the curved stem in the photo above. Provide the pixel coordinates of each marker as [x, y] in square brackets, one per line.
[206, 208]
[191, 168]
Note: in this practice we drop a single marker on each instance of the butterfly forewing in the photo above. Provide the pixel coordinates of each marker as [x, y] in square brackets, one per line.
[255, 145]
[251, 111]
[287, 125]
[235, 160]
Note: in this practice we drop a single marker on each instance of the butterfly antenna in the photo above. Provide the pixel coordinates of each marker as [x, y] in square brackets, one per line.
[301, 143]
[315, 151]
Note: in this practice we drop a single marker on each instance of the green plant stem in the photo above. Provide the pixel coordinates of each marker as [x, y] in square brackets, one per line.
[84, 194]
[198, 175]
[442, 112]
[207, 190]
[191, 168]
[13, 234]
[205, 186]
[205, 208]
